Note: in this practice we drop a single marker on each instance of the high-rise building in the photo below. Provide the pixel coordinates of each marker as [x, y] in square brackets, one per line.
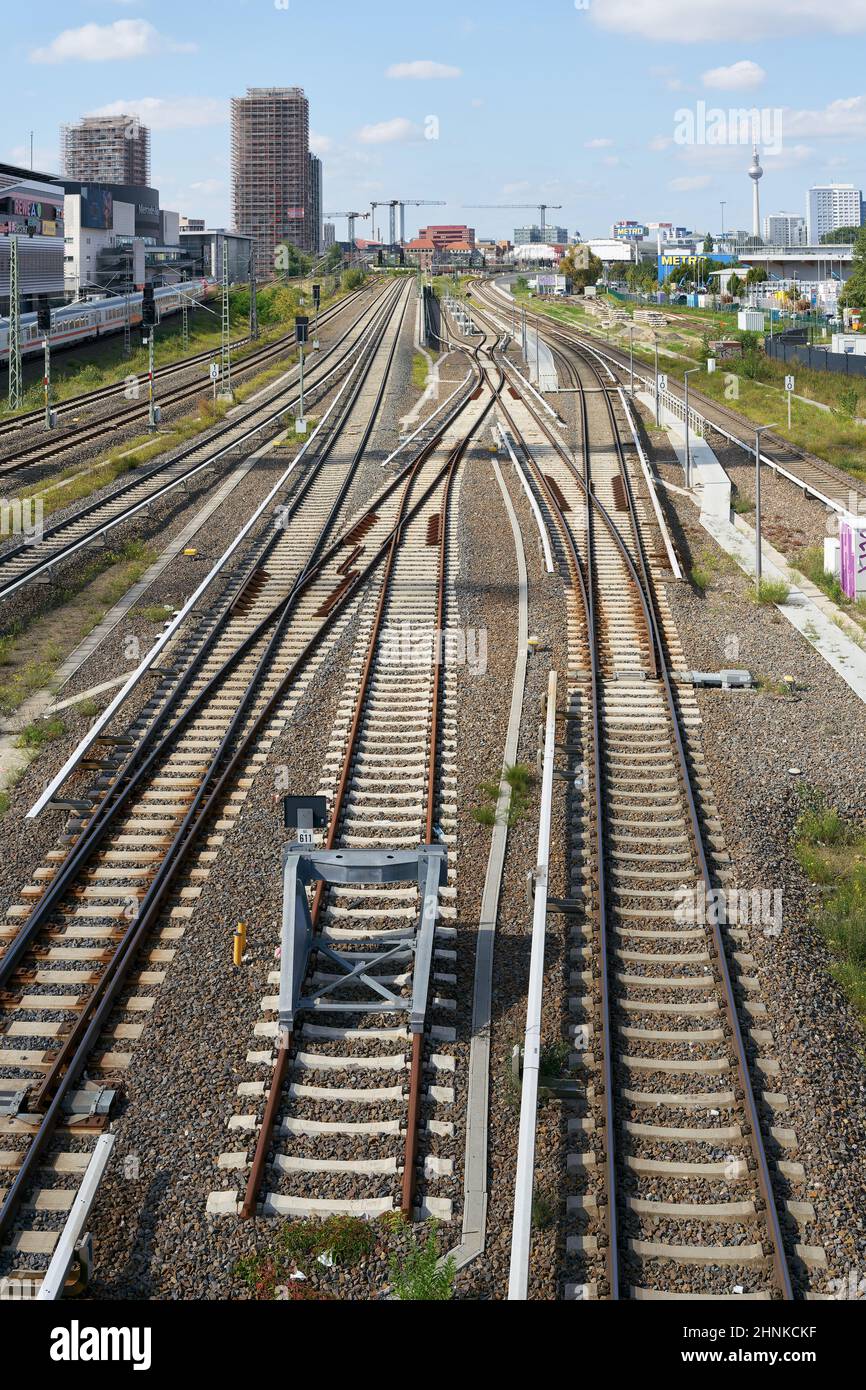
[531, 236]
[316, 204]
[785, 229]
[832, 205]
[271, 170]
[329, 237]
[107, 149]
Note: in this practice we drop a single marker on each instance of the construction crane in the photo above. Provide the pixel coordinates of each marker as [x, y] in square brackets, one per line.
[353, 218]
[541, 208]
[403, 204]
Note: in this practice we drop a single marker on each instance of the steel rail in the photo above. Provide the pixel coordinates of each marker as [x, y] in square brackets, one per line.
[41, 452]
[780, 1263]
[134, 769]
[68, 1067]
[134, 483]
[280, 1068]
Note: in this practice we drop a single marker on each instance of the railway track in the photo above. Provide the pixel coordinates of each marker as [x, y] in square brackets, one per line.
[833, 487]
[355, 1114]
[88, 943]
[32, 561]
[26, 455]
[681, 1176]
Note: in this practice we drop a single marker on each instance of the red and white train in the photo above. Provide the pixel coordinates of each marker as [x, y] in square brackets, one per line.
[76, 323]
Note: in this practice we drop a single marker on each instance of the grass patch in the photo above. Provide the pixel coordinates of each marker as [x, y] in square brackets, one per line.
[831, 850]
[341, 1241]
[418, 1276]
[521, 780]
[700, 579]
[544, 1211]
[5, 803]
[30, 653]
[43, 731]
[420, 371]
[770, 592]
[154, 613]
[742, 505]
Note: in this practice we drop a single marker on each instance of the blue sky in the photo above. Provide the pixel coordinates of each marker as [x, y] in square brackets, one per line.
[573, 103]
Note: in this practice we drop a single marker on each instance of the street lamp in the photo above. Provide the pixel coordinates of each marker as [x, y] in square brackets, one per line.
[686, 376]
[759, 430]
[656, 346]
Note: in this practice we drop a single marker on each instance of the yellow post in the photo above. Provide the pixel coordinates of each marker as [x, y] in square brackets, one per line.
[239, 942]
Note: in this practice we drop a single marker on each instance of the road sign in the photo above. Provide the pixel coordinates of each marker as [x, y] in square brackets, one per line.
[214, 371]
[663, 382]
[789, 383]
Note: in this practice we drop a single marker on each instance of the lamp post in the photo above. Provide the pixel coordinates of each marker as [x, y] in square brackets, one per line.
[759, 430]
[656, 346]
[686, 376]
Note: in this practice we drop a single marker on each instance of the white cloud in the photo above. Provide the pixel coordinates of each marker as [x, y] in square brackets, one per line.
[683, 21]
[600, 144]
[688, 185]
[172, 113]
[737, 77]
[398, 130]
[102, 43]
[843, 117]
[422, 70]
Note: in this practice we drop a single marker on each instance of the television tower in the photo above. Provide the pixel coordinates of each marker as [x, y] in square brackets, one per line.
[756, 173]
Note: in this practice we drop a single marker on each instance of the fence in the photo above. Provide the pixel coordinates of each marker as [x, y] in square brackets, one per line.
[819, 359]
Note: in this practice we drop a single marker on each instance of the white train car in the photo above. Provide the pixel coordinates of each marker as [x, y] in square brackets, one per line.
[76, 323]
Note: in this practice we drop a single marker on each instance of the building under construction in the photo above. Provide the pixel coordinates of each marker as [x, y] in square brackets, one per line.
[271, 171]
[107, 149]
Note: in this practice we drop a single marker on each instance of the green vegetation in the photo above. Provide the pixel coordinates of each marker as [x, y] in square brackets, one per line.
[521, 780]
[700, 579]
[553, 1061]
[770, 592]
[544, 1210]
[742, 505]
[154, 613]
[832, 852]
[418, 1275]
[300, 1246]
[31, 652]
[420, 371]
[35, 736]
[854, 294]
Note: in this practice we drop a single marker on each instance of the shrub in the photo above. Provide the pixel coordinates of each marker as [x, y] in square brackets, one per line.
[419, 1277]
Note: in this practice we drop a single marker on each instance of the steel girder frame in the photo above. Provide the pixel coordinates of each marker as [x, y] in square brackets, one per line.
[303, 866]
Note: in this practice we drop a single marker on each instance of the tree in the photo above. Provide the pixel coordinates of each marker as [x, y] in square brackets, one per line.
[853, 296]
[291, 262]
[709, 244]
[581, 267]
[735, 285]
[757, 275]
[841, 236]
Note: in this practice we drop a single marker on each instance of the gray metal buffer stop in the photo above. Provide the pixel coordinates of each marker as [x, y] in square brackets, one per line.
[303, 866]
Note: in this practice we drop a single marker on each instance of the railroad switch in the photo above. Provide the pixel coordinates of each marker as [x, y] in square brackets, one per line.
[724, 680]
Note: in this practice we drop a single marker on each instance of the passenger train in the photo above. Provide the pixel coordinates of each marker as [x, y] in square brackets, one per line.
[76, 323]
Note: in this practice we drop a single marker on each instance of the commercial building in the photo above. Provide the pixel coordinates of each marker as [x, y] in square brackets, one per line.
[832, 205]
[271, 171]
[192, 224]
[31, 209]
[447, 236]
[315, 205]
[785, 229]
[106, 149]
[532, 236]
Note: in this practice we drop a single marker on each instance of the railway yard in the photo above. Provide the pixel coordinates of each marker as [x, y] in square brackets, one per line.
[368, 618]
